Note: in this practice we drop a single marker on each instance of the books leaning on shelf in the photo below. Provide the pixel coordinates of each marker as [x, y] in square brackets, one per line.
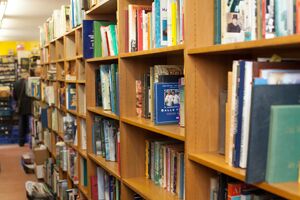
[105, 138]
[104, 186]
[99, 39]
[225, 187]
[165, 165]
[154, 26]
[73, 165]
[158, 95]
[33, 87]
[106, 88]
[255, 19]
[254, 88]
[51, 73]
[71, 97]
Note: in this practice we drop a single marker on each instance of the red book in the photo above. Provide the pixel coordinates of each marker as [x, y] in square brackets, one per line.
[108, 50]
[298, 16]
[233, 190]
[94, 187]
[263, 17]
[140, 29]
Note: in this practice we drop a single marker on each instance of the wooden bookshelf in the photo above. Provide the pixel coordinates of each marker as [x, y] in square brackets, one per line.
[172, 131]
[147, 189]
[205, 68]
[111, 167]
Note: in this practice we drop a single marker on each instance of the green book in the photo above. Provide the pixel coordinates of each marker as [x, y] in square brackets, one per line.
[97, 37]
[114, 38]
[284, 141]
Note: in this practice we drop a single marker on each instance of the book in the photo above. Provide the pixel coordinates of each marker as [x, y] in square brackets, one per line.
[98, 47]
[70, 128]
[71, 97]
[166, 97]
[88, 38]
[263, 96]
[283, 154]
[105, 87]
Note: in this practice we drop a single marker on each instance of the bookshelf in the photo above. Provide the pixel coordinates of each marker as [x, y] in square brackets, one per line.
[205, 70]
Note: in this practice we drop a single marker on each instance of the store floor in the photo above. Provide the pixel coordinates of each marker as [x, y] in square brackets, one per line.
[12, 175]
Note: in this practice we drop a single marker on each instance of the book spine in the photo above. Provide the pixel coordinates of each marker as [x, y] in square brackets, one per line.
[157, 24]
[217, 21]
[132, 28]
[145, 30]
[169, 22]
[164, 22]
[153, 25]
[298, 16]
[140, 29]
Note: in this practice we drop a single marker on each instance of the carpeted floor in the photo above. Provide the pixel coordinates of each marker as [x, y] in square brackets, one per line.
[12, 175]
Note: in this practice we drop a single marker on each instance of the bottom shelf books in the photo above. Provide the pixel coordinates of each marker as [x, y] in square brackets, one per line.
[165, 165]
[104, 186]
[223, 187]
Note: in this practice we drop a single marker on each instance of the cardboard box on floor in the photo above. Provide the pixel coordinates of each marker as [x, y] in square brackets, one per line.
[40, 156]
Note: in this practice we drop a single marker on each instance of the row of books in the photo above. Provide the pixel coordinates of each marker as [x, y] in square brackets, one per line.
[104, 186]
[165, 165]
[257, 128]
[153, 26]
[106, 138]
[100, 39]
[59, 186]
[247, 20]
[223, 187]
[33, 87]
[160, 95]
[71, 97]
[70, 129]
[107, 87]
[62, 21]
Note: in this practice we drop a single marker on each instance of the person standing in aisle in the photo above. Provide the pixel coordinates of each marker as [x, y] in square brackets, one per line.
[23, 107]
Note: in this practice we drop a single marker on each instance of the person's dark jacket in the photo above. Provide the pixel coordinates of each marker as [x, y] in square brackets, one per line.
[25, 107]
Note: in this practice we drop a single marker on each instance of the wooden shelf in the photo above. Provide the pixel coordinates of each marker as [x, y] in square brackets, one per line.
[81, 115]
[105, 7]
[111, 167]
[83, 190]
[244, 47]
[155, 52]
[71, 59]
[148, 190]
[99, 59]
[81, 81]
[60, 60]
[79, 56]
[215, 161]
[100, 111]
[82, 152]
[73, 112]
[71, 81]
[172, 131]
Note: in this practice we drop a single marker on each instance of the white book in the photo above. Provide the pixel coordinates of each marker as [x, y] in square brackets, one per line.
[246, 114]
[104, 41]
[290, 17]
[112, 144]
[83, 135]
[104, 74]
[164, 22]
[110, 42]
[145, 30]
[181, 18]
[153, 26]
[100, 180]
[233, 120]
[132, 28]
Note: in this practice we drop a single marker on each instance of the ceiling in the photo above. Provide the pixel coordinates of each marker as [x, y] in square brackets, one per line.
[23, 17]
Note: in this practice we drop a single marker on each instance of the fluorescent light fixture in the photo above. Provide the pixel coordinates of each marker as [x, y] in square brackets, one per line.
[3, 4]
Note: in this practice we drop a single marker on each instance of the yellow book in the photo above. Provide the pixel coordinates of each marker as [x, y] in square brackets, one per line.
[174, 24]
[228, 142]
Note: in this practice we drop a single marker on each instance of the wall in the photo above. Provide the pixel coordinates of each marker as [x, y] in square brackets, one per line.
[5, 46]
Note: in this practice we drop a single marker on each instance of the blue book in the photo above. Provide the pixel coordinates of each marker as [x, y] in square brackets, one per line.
[238, 135]
[217, 19]
[71, 97]
[88, 38]
[157, 24]
[166, 111]
[281, 19]
[44, 118]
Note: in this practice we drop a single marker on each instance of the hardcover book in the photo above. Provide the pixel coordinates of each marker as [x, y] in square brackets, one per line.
[284, 140]
[263, 96]
[166, 97]
[88, 38]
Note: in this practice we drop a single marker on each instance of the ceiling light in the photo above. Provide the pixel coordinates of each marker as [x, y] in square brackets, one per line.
[3, 4]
